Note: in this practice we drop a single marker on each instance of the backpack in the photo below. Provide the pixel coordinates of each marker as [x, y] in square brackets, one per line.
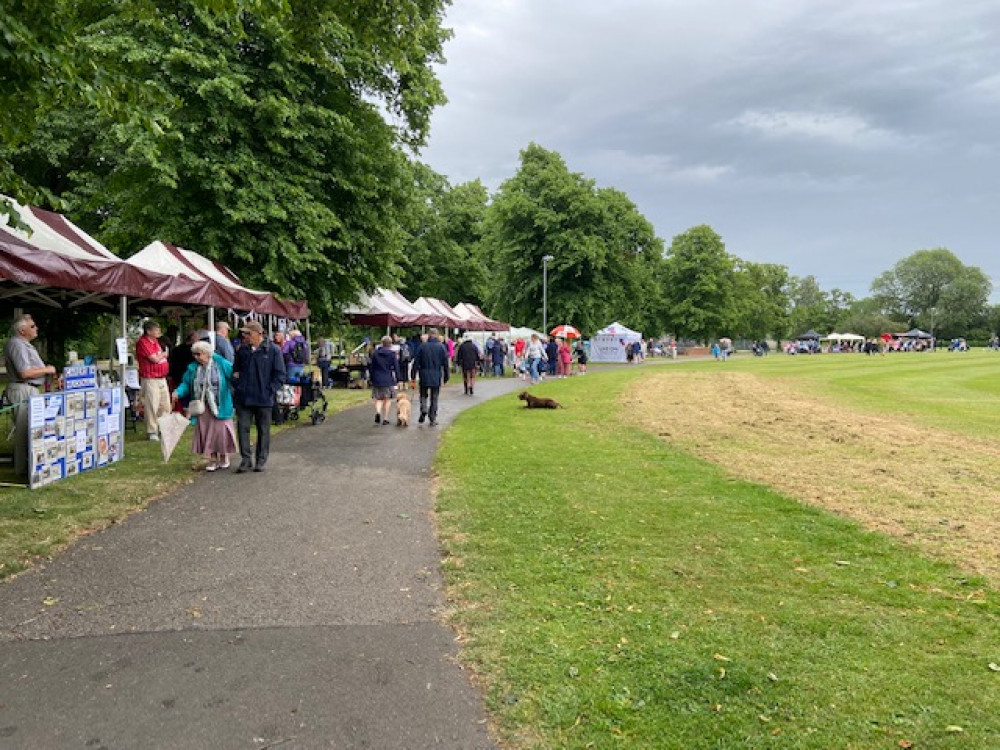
[300, 354]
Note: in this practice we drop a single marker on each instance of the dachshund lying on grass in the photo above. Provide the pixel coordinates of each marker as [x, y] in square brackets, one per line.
[534, 402]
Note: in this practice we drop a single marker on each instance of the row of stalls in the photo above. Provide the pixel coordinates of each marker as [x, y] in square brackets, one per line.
[58, 266]
[811, 341]
[51, 269]
[390, 309]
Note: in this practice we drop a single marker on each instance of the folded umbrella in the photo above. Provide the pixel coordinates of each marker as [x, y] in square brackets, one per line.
[171, 426]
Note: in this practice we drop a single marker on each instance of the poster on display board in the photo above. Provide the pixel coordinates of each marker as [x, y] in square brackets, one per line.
[608, 348]
[73, 431]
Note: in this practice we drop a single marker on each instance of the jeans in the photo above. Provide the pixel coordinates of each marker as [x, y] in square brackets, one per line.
[324, 372]
[433, 391]
[294, 372]
[533, 367]
[245, 415]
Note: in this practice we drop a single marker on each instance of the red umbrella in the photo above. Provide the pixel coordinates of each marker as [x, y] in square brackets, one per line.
[565, 332]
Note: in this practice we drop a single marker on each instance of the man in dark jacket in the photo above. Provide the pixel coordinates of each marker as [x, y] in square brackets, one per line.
[258, 373]
[468, 358]
[431, 364]
[552, 352]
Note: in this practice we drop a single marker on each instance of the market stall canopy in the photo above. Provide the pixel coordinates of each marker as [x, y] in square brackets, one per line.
[617, 329]
[386, 308]
[218, 286]
[442, 312]
[809, 335]
[477, 320]
[58, 265]
[915, 333]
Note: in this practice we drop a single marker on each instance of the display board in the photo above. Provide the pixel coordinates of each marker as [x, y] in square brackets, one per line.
[73, 431]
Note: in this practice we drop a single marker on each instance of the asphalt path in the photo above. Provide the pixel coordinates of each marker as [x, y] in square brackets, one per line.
[295, 608]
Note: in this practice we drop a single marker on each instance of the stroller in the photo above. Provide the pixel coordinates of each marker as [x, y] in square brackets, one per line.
[293, 398]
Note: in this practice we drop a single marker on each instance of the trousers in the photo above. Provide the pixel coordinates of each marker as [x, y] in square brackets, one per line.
[245, 416]
[155, 397]
[19, 394]
[430, 392]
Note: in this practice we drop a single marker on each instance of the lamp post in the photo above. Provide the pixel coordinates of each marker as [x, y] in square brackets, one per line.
[546, 259]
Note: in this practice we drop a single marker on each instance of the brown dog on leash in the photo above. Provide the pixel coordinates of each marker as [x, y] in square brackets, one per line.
[402, 410]
[534, 402]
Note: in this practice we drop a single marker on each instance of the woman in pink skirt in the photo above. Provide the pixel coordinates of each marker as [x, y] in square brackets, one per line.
[207, 380]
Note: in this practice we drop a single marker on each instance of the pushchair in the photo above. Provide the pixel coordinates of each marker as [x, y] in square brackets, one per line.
[294, 397]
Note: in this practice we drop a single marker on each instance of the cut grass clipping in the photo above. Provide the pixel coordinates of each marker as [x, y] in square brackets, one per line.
[615, 590]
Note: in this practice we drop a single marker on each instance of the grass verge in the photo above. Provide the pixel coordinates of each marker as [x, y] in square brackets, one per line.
[37, 523]
[614, 590]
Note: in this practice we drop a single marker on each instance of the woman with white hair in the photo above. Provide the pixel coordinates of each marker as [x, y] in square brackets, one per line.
[207, 383]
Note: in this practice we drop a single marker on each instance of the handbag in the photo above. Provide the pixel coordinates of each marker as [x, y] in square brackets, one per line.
[196, 406]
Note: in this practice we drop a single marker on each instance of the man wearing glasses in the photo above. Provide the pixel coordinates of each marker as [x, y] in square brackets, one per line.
[26, 373]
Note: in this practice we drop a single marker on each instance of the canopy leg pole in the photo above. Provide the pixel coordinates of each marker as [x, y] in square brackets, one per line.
[123, 312]
[211, 325]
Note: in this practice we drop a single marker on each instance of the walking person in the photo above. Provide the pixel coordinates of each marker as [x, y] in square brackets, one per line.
[552, 355]
[26, 373]
[468, 359]
[324, 356]
[431, 365]
[207, 381]
[499, 356]
[384, 373]
[153, 370]
[565, 358]
[258, 373]
[223, 345]
[534, 355]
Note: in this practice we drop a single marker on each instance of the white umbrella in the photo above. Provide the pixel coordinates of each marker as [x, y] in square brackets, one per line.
[171, 426]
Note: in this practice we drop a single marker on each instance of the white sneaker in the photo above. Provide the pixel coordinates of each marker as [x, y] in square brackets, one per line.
[212, 466]
[225, 463]
[154, 437]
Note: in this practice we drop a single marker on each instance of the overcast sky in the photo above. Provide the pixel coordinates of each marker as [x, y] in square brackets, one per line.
[831, 136]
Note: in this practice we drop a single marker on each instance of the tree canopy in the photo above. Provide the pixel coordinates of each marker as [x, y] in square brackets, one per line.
[606, 256]
[268, 135]
[935, 290]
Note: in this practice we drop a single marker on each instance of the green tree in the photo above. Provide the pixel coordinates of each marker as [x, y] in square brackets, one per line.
[443, 257]
[606, 256]
[935, 290]
[762, 300]
[700, 285]
[809, 307]
[260, 137]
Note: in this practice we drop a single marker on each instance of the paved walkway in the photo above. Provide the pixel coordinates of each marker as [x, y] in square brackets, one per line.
[297, 608]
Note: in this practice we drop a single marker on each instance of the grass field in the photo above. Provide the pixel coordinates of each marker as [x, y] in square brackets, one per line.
[620, 580]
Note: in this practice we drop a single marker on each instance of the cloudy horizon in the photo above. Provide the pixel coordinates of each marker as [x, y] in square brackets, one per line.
[835, 138]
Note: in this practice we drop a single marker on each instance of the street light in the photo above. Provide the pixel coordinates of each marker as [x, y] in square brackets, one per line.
[546, 259]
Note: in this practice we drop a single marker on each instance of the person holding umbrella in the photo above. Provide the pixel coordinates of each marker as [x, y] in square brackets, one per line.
[207, 383]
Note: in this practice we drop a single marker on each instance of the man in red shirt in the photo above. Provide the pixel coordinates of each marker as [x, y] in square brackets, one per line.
[153, 367]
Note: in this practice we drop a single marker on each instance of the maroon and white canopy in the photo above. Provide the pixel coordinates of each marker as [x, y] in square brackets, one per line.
[217, 282]
[441, 310]
[59, 265]
[477, 319]
[387, 308]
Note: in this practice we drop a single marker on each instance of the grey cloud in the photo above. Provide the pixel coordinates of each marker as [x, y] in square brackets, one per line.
[834, 136]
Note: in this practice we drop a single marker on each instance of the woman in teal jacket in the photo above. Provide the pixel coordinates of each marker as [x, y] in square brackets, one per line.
[208, 379]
